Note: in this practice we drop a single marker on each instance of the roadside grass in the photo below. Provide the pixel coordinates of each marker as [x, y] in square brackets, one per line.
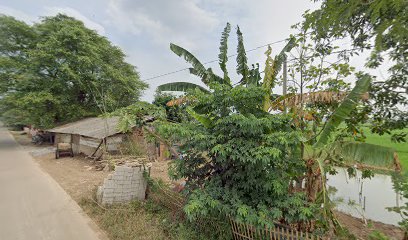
[137, 220]
[385, 140]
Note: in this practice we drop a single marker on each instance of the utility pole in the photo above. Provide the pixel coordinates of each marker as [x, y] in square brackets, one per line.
[285, 81]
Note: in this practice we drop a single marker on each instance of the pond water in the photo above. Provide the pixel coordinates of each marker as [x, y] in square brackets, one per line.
[370, 196]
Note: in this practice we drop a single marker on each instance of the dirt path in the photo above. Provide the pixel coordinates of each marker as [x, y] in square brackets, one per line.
[76, 175]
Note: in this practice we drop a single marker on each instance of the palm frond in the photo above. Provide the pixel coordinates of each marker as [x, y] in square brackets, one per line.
[368, 155]
[180, 86]
[223, 56]
[204, 120]
[242, 60]
[198, 67]
[344, 110]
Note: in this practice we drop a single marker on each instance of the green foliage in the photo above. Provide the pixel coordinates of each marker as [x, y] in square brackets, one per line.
[137, 115]
[58, 71]
[232, 154]
[384, 22]
[174, 113]
[236, 164]
[204, 120]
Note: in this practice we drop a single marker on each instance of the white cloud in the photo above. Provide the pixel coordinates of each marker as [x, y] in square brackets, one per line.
[164, 21]
[17, 14]
[76, 14]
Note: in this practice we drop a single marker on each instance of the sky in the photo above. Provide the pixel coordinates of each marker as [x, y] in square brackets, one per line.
[145, 29]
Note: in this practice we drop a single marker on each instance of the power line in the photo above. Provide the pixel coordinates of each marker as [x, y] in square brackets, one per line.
[250, 50]
[212, 61]
[340, 51]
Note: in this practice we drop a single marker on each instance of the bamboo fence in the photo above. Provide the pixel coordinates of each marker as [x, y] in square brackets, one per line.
[241, 231]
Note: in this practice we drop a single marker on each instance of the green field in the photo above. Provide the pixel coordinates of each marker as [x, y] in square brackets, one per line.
[385, 140]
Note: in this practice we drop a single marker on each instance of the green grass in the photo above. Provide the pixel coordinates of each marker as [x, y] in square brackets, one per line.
[385, 140]
[138, 220]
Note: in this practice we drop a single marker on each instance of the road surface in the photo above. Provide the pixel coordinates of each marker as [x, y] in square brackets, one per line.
[32, 205]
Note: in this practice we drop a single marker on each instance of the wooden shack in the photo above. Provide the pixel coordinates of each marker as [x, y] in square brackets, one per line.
[91, 136]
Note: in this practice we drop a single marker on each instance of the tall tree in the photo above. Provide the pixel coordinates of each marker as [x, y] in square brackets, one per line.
[58, 71]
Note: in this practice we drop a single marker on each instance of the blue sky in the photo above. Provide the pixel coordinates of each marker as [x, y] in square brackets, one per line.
[144, 29]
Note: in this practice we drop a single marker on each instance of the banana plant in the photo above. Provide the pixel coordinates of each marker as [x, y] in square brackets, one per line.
[206, 75]
[248, 77]
[351, 151]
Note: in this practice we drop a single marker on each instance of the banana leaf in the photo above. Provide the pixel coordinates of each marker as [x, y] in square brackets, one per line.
[204, 120]
[368, 154]
[223, 56]
[343, 111]
[198, 67]
[180, 86]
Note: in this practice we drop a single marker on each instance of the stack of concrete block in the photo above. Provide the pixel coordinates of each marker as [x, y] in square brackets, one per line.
[123, 185]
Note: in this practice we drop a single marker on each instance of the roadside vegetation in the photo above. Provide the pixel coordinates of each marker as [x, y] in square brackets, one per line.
[245, 152]
[138, 220]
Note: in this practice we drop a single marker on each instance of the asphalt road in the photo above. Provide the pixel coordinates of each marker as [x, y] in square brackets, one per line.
[32, 205]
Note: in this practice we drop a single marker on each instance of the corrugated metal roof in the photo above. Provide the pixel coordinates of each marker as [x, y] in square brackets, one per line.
[90, 127]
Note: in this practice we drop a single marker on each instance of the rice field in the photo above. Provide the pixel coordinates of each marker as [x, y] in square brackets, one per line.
[385, 140]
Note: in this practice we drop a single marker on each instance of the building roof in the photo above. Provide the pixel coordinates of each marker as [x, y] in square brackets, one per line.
[90, 127]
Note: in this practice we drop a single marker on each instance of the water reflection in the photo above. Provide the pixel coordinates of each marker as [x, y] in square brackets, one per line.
[371, 196]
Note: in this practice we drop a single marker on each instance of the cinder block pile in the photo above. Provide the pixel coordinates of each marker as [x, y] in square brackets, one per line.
[123, 185]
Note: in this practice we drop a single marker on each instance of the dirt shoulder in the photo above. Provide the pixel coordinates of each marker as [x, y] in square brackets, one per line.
[358, 228]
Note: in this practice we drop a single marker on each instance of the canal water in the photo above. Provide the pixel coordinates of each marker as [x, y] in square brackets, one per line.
[370, 197]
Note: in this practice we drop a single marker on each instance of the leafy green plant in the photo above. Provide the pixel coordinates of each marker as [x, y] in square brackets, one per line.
[237, 156]
[230, 156]
[174, 113]
[380, 27]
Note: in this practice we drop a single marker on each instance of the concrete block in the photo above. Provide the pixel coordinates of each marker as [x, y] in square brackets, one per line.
[125, 184]
[119, 169]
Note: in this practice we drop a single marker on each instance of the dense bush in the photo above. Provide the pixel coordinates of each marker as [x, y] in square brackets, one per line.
[241, 161]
